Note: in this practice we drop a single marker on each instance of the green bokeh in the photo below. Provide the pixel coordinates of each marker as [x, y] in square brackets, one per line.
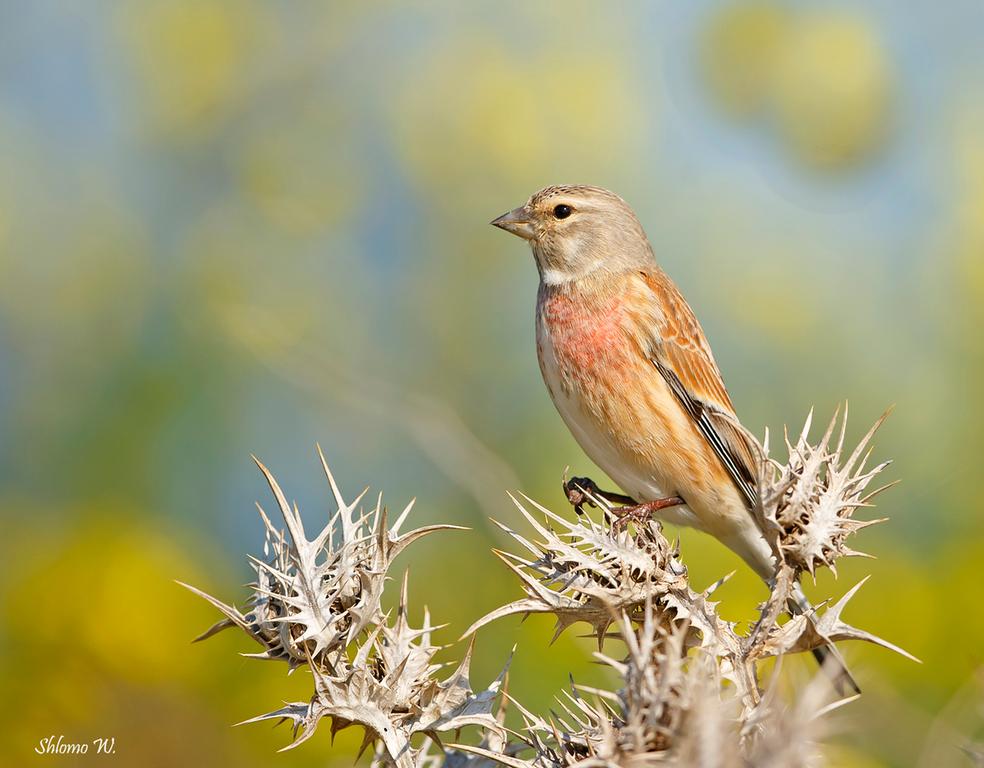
[235, 227]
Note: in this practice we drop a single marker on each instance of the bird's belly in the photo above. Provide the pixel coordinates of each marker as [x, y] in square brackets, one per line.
[625, 443]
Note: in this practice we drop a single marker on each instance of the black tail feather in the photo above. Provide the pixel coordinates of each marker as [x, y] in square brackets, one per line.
[831, 662]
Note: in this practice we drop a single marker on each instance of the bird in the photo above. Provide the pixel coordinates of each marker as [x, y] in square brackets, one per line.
[633, 377]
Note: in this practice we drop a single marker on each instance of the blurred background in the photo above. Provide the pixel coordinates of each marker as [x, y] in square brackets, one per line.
[251, 226]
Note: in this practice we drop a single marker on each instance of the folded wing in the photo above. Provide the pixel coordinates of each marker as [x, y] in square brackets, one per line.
[682, 356]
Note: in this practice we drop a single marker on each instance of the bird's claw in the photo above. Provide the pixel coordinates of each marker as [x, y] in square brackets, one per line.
[641, 513]
[635, 514]
[579, 491]
[584, 490]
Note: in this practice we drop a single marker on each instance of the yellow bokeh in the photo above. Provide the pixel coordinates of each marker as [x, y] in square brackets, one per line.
[472, 113]
[820, 78]
[739, 52]
[80, 585]
[301, 194]
[190, 59]
[234, 285]
[832, 89]
[968, 214]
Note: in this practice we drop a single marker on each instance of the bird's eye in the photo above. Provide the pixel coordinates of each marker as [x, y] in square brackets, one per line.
[562, 211]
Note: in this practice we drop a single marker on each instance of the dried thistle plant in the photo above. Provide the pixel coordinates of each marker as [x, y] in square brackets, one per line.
[673, 709]
[691, 691]
[317, 603]
[594, 572]
[807, 505]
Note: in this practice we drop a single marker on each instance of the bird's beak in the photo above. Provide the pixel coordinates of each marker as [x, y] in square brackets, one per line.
[516, 221]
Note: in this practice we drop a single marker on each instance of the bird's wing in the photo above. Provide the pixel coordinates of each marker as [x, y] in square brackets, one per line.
[681, 354]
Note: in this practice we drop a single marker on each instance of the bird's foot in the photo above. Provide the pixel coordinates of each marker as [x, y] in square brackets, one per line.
[580, 490]
[641, 513]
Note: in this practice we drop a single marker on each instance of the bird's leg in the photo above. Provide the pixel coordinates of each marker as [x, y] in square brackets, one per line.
[641, 513]
[579, 491]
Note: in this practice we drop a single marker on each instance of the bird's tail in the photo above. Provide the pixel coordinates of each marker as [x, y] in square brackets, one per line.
[827, 656]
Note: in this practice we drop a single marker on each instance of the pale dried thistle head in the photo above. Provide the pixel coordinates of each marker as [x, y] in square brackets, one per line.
[587, 571]
[317, 602]
[673, 709]
[807, 505]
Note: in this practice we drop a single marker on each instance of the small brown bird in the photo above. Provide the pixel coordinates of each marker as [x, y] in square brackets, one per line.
[632, 375]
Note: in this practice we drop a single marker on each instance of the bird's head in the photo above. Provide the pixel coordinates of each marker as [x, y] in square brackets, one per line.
[575, 231]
